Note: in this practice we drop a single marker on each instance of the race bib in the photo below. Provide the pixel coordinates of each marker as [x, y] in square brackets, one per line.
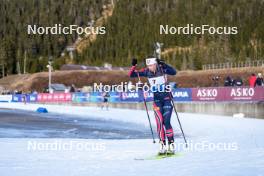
[157, 82]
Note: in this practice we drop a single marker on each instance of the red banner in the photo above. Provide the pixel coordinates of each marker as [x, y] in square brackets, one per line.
[208, 94]
[54, 97]
[245, 94]
[228, 94]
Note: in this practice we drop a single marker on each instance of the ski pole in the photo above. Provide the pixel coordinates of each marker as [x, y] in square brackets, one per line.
[145, 104]
[174, 107]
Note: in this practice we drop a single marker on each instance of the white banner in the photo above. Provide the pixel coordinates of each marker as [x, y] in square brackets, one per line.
[5, 98]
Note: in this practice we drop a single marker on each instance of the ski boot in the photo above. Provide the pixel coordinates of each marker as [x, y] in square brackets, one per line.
[162, 149]
[171, 148]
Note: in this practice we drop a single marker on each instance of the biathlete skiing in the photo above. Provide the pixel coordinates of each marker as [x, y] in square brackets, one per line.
[156, 72]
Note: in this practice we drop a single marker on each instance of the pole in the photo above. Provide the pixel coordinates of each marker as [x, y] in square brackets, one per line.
[174, 107]
[49, 76]
[50, 68]
[3, 70]
[145, 104]
[157, 53]
[18, 68]
[25, 61]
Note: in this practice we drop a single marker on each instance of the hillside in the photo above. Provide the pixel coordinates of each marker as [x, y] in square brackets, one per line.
[38, 81]
[18, 47]
[135, 26]
[131, 29]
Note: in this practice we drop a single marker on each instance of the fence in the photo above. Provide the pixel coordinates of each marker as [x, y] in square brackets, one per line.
[212, 94]
[256, 63]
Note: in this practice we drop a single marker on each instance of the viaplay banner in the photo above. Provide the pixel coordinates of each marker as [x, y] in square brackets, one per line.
[228, 94]
[114, 97]
[23, 97]
[80, 97]
[97, 97]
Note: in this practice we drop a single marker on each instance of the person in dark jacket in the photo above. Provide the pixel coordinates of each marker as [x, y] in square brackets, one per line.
[157, 72]
[228, 81]
[238, 82]
[259, 80]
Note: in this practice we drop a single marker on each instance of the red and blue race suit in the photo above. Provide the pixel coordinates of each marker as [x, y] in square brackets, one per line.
[162, 104]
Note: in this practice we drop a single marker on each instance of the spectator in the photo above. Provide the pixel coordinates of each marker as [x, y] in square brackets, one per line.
[238, 82]
[216, 81]
[252, 80]
[259, 81]
[72, 88]
[228, 81]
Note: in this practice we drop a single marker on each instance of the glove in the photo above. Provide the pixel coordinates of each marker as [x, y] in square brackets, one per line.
[134, 62]
[160, 62]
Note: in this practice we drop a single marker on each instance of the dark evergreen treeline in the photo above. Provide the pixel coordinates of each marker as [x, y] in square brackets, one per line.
[131, 31]
[134, 27]
[16, 44]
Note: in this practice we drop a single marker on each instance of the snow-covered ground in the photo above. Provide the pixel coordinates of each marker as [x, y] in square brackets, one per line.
[218, 145]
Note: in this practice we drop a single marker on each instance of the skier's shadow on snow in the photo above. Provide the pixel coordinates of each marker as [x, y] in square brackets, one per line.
[25, 124]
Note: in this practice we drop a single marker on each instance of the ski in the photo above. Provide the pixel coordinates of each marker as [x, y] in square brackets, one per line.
[159, 156]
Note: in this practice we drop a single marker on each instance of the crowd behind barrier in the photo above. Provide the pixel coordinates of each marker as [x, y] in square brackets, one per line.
[217, 94]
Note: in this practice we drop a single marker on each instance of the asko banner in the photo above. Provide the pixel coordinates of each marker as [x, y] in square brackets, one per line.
[208, 94]
[245, 94]
[54, 97]
[228, 94]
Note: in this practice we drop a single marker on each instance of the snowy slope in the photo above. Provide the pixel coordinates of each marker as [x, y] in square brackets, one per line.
[242, 154]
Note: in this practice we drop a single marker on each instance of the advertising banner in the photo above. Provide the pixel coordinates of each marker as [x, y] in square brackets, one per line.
[54, 97]
[114, 97]
[5, 98]
[208, 94]
[129, 97]
[96, 97]
[218, 94]
[80, 97]
[23, 97]
[228, 94]
[182, 94]
[244, 94]
[178, 95]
